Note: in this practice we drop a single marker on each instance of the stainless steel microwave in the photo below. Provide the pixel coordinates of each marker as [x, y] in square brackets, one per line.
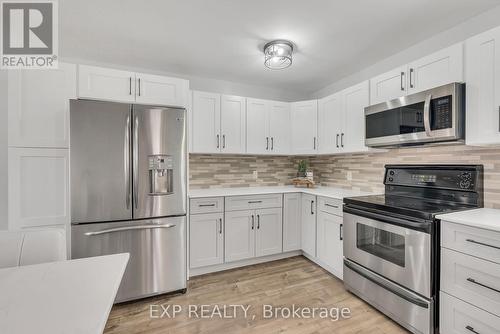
[432, 116]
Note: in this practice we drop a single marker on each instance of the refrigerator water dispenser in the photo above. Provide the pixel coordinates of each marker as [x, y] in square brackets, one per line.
[160, 175]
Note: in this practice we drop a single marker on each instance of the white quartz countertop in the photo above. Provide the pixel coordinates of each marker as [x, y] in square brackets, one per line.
[488, 219]
[331, 192]
[66, 297]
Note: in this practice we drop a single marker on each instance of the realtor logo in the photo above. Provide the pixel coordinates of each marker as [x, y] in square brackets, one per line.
[29, 35]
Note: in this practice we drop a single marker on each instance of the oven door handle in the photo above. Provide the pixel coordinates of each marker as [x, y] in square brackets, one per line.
[389, 286]
[427, 115]
[424, 226]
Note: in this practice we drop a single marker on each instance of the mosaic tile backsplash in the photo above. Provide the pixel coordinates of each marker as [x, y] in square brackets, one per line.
[351, 171]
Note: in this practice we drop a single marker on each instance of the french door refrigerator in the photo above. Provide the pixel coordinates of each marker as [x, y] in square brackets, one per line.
[128, 191]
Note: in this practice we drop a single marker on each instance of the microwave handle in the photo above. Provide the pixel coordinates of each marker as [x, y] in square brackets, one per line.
[427, 115]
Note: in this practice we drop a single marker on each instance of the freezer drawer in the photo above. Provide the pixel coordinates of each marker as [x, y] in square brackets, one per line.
[157, 250]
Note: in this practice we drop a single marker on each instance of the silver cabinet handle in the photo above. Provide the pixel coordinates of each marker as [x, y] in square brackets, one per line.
[139, 86]
[272, 143]
[342, 140]
[337, 140]
[126, 161]
[411, 78]
[130, 228]
[218, 141]
[206, 205]
[341, 232]
[312, 210]
[130, 86]
[254, 202]
[135, 160]
[220, 225]
[253, 221]
[471, 329]
[332, 206]
[481, 243]
[314, 143]
[427, 115]
[258, 222]
[267, 143]
[483, 285]
[223, 141]
[402, 78]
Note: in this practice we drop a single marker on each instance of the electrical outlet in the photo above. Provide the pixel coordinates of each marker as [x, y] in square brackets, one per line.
[255, 175]
[349, 175]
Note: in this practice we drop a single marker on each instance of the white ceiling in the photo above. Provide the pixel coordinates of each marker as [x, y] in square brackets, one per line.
[222, 39]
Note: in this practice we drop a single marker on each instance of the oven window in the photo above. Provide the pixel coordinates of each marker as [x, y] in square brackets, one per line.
[383, 244]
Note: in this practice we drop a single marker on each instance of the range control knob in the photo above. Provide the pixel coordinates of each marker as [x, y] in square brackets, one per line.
[391, 179]
[391, 172]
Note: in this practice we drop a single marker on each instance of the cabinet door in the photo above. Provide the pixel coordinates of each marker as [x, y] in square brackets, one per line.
[483, 88]
[233, 110]
[304, 126]
[279, 127]
[355, 99]
[106, 84]
[330, 123]
[269, 232]
[206, 240]
[239, 235]
[291, 222]
[437, 69]
[330, 244]
[205, 126]
[39, 106]
[388, 86]
[308, 208]
[38, 187]
[160, 90]
[257, 127]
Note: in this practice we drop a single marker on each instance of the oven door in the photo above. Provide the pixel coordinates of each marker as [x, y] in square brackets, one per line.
[429, 116]
[400, 254]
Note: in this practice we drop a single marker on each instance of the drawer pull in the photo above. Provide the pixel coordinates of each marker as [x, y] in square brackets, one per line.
[481, 243]
[469, 328]
[206, 205]
[254, 202]
[332, 206]
[483, 285]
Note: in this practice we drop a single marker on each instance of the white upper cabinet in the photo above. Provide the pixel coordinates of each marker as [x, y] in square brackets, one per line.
[267, 127]
[355, 99]
[205, 122]
[38, 106]
[233, 114]
[258, 141]
[156, 89]
[304, 116]
[437, 69]
[106, 84]
[124, 86]
[483, 88]
[330, 123]
[388, 86]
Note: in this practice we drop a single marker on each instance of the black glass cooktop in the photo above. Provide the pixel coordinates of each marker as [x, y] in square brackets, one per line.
[409, 207]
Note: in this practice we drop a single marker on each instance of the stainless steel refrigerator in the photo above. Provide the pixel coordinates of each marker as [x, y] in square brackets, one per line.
[128, 191]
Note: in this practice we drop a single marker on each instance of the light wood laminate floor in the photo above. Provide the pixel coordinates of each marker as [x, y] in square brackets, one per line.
[280, 283]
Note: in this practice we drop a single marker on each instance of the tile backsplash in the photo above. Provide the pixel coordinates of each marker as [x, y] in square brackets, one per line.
[351, 171]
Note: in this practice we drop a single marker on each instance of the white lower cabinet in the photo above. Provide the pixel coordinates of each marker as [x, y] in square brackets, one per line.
[330, 244]
[268, 232]
[308, 215]
[206, 239]
[291, 222]
[240, 237]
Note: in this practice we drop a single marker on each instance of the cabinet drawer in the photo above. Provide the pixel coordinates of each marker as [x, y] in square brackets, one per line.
[235, 203]
[470, 240]
[459, 317]
[206, 205]
[469, 278]
[330, 205]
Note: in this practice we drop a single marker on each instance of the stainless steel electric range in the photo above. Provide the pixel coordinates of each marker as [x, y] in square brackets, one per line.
[391, 241]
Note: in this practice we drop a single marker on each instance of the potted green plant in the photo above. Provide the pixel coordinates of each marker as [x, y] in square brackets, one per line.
[302, 168]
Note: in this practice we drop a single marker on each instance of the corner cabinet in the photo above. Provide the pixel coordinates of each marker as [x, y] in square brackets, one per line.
[304, 116]
[308, 215]
[483, 88]
[292, 222]
[218, 123]
[102, 83]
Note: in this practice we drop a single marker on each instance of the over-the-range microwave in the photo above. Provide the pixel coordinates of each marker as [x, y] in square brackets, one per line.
[433, 116]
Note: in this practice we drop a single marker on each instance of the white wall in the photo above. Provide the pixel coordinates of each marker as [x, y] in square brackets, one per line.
[471, 27]
[3, 150]
[211, 85]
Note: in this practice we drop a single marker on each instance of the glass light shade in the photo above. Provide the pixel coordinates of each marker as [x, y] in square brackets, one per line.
[278, 54]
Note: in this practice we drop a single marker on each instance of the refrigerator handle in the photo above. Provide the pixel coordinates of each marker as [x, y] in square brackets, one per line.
[135, 158]
[130, 228]
[126, 162]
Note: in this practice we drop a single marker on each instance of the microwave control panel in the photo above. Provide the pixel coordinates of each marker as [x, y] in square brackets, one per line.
[441, 113]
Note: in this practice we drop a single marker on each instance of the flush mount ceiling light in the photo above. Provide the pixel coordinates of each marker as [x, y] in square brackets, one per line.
[278, 54]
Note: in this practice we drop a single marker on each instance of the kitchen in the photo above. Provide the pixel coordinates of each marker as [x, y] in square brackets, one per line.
[164, 176]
